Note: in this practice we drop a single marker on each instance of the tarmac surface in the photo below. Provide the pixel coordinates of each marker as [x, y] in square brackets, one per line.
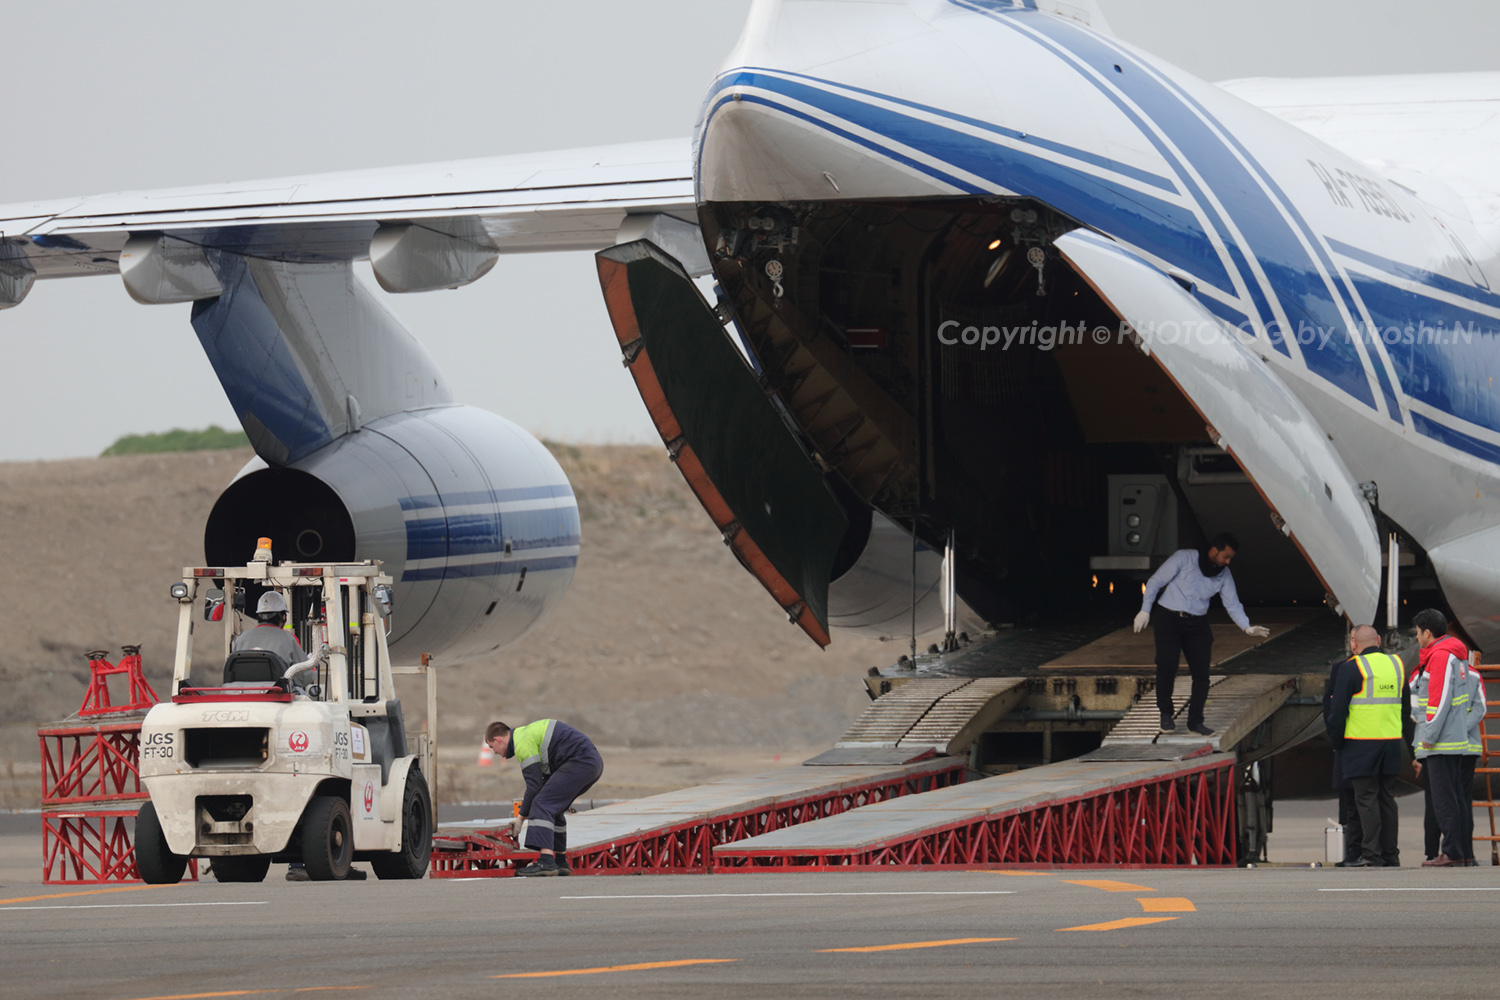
[1240, 933]
[1274, 931]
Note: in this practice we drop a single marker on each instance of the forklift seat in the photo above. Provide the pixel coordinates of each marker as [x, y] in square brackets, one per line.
[254, 666]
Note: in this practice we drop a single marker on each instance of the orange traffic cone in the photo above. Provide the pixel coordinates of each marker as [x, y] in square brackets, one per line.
[486, 756]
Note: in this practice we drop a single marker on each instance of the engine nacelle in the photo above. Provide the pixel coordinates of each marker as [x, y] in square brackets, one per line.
[472, 517]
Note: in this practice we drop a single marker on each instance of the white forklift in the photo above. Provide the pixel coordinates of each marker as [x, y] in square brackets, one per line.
[257, 760]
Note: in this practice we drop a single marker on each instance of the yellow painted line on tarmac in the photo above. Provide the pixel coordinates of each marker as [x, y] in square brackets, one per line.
[916, 944]
[84, 892]
[1167, 904]
[1109, 885]
[615, 968]
[251, 993]
[1116, 925]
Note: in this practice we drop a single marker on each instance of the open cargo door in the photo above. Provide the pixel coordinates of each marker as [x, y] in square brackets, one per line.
[728, 439]
[1255, 417]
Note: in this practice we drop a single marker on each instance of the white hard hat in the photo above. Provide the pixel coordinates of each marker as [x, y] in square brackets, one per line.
[270, 601]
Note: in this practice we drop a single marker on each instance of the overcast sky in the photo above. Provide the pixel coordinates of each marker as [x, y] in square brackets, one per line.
[108, 97]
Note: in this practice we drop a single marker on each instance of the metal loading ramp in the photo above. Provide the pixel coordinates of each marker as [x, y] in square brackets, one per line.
[1074, 813]
[1236, 707]
[675, 833]
[943, 714]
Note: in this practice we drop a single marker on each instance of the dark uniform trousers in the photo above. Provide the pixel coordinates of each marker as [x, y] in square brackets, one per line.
[1354, 831]
[1451, 778]
[1180, 636]
[547, 819]
[1375, 801]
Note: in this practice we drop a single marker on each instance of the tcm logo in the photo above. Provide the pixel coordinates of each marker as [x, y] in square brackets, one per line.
[226, 716]
[297, 742]
[369, 796]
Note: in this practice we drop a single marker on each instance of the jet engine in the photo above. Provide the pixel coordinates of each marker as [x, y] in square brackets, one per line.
[472, 517]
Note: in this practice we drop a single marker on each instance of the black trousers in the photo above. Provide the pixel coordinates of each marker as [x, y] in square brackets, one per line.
[1451, 802]
[547, 821]
[1354, 831]
[1466, 788]
[1432, 837]
[1375, 799]
[1177, 637]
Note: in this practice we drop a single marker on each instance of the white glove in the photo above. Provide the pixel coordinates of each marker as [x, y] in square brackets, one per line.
[1141, 620]
[515, 825]
[1259, 631]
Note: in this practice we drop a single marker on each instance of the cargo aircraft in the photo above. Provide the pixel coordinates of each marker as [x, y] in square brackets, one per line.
[1003, 306]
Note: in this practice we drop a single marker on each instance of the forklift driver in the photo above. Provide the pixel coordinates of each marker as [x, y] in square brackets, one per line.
[271, 634]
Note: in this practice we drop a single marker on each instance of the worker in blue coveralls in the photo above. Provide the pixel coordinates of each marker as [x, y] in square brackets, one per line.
[559, 764]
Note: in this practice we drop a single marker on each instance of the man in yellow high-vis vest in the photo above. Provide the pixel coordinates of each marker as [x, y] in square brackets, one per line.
[1365, 719]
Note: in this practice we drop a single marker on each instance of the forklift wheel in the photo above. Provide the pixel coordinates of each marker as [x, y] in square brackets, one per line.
[416, 833]
[154, 860]
[327, 838]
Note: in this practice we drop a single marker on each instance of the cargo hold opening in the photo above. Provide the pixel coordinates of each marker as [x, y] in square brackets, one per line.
[1072, 462]
[1026, 422]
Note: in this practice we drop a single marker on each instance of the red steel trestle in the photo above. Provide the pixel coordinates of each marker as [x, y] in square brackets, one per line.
[1184, 819]
[682, 848]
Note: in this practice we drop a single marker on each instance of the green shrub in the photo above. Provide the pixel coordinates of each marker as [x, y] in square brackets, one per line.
[177, 439]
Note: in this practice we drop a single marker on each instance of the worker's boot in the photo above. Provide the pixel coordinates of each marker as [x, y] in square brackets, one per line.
[1167, 725]
[562, 863]
[544, 865]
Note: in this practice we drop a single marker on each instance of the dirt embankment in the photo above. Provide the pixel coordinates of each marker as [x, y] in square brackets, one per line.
[665, 650]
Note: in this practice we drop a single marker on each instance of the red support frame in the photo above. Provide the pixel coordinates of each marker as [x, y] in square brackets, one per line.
[92, 847]
[96, 700]
[91, 764]
[1183, 819]
[684, 848]
[91, 791]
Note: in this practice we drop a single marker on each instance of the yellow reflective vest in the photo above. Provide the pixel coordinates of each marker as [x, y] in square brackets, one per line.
[1375, 710]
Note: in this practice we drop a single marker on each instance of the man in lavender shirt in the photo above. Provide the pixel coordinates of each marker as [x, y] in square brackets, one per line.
[1185, 582]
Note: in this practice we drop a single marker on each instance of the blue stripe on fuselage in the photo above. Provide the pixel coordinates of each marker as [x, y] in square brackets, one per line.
[1417, 275]
[1305, 295]
[1073, 152]
[1455, 439]
[506, 568]
[1159, 227]
[918, 165]
[487, 496]
[1444, 355]
[476, 534]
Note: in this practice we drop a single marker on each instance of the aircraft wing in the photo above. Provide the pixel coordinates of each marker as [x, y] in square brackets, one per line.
[470, 210]
[1444, 126]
